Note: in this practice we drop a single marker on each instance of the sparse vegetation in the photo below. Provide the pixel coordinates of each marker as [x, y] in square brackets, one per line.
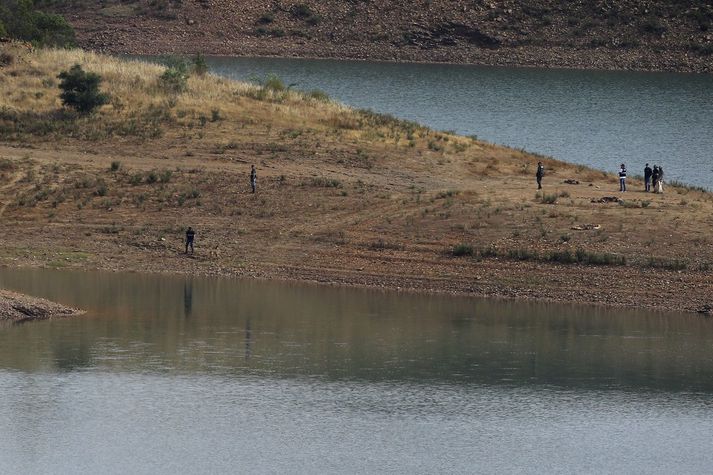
[326, 171]
[463, 250]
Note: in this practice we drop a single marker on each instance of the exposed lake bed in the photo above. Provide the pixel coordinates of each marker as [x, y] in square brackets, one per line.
[345, 197]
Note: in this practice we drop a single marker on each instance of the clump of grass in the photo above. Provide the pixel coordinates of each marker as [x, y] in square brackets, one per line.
[463, 250]
[668, 264]
[136, 179]
[318, 95]
[381, 245]
[165, 176]
[303, 12]
[7, 165]
[523, 255]
[546, 198]
[489, 251]
[101, 190]
[266, 18]
[580, 256]
[115, 166]
[687, 187]
[447, 194]
[629, 204]
[323, 182]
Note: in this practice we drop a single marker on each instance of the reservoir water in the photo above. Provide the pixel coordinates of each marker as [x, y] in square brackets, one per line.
[189, 375]
[594, 118]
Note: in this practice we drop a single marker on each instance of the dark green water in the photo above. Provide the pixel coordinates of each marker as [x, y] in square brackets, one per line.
[166, 375]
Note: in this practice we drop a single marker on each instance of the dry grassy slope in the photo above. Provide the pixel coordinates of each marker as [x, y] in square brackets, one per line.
[343, 196]
[632, 34]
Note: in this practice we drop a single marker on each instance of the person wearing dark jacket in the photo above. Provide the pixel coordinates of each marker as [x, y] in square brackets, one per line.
[655, 177]
[540, 173]
[647, 177]
[190, 236]
[253, 178]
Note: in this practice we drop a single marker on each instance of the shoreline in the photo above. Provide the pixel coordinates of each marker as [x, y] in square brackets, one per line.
[17, 308]
[574, 67]
[499, 279]
[600, 59]
[345, 197]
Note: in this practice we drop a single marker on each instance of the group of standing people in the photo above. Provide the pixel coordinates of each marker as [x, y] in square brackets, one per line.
[653, 176]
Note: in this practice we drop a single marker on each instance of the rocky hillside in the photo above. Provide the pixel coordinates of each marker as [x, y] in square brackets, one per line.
[626, 34]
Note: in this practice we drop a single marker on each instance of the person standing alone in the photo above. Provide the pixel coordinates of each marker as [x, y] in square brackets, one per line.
[647, 177]
[540, 173]
[622, 178]
[190, 236]
[253, 178]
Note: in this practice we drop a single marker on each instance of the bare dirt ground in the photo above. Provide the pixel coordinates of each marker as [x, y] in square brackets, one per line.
[344, 198]
[372, 230]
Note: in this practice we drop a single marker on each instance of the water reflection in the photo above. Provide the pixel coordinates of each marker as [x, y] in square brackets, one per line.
[192, 325]
[188, 297]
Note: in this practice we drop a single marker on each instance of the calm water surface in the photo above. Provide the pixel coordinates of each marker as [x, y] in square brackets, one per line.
[174, 375]
[595, 118]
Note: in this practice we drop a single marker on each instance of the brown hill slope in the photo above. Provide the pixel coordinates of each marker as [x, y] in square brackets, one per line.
[630, 34]
[343, 196]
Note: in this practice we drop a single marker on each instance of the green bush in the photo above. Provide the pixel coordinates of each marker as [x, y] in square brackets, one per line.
[302, 11]
[463, 250]
[199, 65]
[80, 89]
[274, 83]
[174, 80]
[266, 18]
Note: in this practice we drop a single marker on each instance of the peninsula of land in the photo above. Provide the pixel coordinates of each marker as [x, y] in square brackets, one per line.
[343, 196]
[662, 35]
[17, 307]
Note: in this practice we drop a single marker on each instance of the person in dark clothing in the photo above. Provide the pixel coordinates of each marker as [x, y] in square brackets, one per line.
[253, 178]
[655, 177]
[190, 236]
[647, 177]
[622, 178]
[659, 188]
[540, 173]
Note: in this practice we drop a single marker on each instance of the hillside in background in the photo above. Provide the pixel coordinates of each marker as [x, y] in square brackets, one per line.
[603, 34]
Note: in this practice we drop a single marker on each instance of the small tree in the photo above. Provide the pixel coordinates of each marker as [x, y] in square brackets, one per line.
[200, 66]
[80, 89]
[174, 80]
